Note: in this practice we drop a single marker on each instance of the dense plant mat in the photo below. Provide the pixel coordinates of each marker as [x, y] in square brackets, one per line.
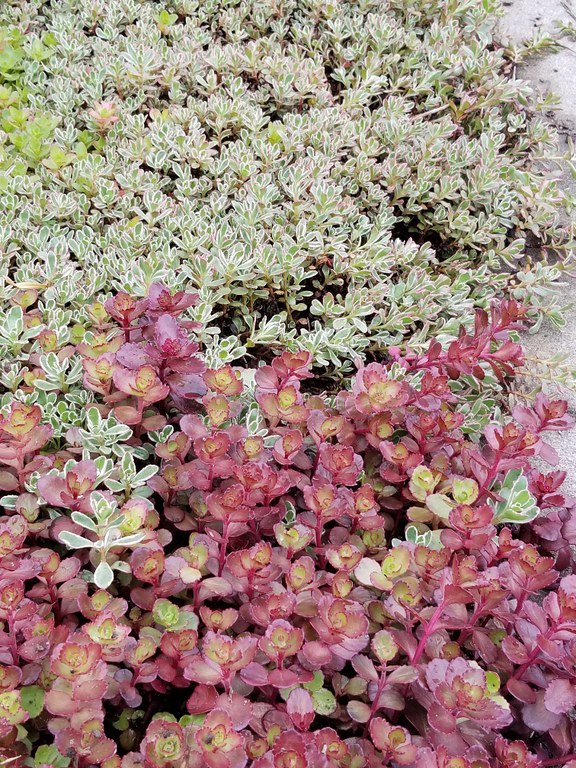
[260, 506]
[331, 176]
[220, 570]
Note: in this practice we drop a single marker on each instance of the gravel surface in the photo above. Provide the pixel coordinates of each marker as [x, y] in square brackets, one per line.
[554, 72]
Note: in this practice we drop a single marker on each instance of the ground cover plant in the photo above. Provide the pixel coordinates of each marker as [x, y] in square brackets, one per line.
[330, 176]
[222, 568]
[262, 502]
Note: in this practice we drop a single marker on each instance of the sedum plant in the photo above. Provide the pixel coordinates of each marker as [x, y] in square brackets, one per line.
[332, 177]
[255, 574]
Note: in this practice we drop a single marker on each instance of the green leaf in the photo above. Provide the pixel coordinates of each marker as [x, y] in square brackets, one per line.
[123, 722]
[32, 699]
[165, 613]
[315, 684]
[324, 702]
[47, 754]
[518, 505]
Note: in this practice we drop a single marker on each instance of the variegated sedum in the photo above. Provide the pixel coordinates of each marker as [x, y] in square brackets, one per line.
[335, 176]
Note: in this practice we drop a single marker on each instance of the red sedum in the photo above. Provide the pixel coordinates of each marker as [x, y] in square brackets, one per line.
[339, 583]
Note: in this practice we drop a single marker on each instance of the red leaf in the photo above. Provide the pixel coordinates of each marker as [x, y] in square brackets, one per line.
[300, 708]
[521, 691]
[254, 674]
[285, 678]
[202, 700]
[441, 720]
[560, 696]
[365, 668]
[8, 482]
[514, 650]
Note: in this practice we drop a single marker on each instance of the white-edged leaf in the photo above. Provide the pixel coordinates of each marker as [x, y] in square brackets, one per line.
[86, 522]
[74, 541]
[129, 541]
[103, 575]
[144, 475]
[121, 566]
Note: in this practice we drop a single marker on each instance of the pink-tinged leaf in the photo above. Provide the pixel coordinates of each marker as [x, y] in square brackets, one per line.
[537, 616]
[359, 711]
[254, 674]
[554, 650]
[440, 719]
[199, 671]
[266, 379]
[127, 415]
[560, 696]
[187, 385]
[8, 481]
[193, 426]
[526, 417]
[365, 668]
[143, 597]
[514, 650]
[457, 595]
[365, 569]
[402, 675]
[238, 709]
[8, 455]
[51, 488]
[154, 422]
[521, 691]
[390, 698]
[216, 586]
[485, 647]
[67, 569]
[538, 717]
[286, 678]
[103, 749]
[202, 700]
[60, 703]
[316, 654]
[35, 649]
[406, 641]
[300, 708]
[162, 300]
[548, 454]
[38, 439]
[134, 356]
[89, 690]
[71, 590]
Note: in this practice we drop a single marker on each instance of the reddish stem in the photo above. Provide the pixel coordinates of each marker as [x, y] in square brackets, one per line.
[430, 626]
[13, 643]
[223, 546]
[379, 689]
[319, 529]
[465, 633]
[20, 468]
[52, 591]
[532, 657]
[250, 590]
